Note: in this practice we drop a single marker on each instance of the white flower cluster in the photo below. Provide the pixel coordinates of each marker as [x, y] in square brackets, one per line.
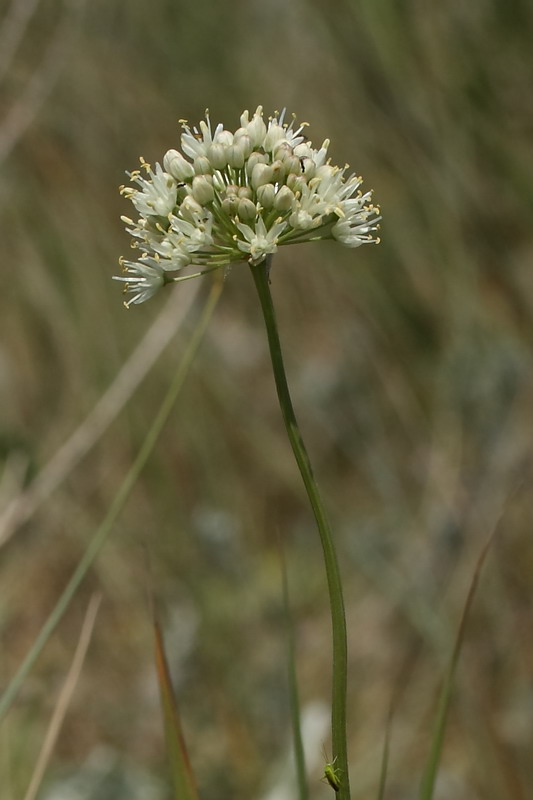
[238, 196]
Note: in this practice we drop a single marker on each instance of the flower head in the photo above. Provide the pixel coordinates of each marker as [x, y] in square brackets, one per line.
[238, 196]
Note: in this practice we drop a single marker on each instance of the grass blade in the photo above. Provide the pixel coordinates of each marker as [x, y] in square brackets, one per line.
[182, 774]
[385, 756]
[64, 698]
[294, 700]
[430, 773]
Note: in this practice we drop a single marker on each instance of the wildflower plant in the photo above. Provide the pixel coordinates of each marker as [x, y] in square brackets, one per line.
[230, 197]
[238, 197]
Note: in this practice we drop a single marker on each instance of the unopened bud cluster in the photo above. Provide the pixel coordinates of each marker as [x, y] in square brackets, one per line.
[238, 196]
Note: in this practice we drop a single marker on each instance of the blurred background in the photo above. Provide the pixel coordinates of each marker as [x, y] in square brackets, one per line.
[411, 370]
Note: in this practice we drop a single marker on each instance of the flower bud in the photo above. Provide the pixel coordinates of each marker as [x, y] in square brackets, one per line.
[246, 192]
[296, 182]
[278, 171]
[293, 165]
[202, 190]
[224, 138]
[255, 158]
[303, 150]
[256, 128]
[243, 141]
[178, 166]
[274, 136]
[229, 205]
[246, 210]
[283, 151]
[217, 155]
[202, 165]
[284, 199]
[261, 174]
[265, 195]
[235, 156]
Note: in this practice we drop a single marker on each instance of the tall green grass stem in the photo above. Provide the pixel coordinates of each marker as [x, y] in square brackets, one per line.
[429, 777]
[101, 534]
[260, 274]
[294, 699]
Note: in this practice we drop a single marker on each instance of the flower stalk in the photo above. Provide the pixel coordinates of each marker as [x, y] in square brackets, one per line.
[260, 274]
[230, 197]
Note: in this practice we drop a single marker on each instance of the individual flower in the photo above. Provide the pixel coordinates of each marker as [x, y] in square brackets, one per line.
[231, 197]
[143, 279]
[259, 242]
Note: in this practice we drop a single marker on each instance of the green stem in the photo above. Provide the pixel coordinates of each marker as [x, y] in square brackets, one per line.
[260, 274]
